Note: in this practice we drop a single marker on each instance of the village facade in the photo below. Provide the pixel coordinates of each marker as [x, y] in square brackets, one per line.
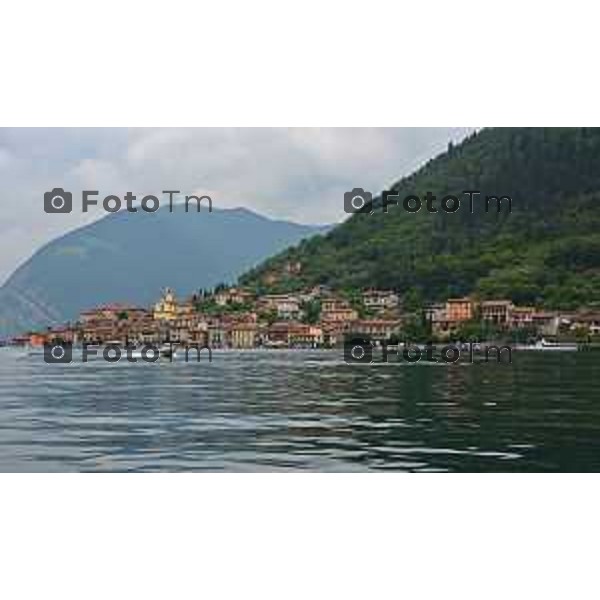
[244, 320]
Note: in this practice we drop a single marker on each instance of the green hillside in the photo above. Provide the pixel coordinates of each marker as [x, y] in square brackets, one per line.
[546, 252]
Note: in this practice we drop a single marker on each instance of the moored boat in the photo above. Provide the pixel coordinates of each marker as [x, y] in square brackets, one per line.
[544, 345]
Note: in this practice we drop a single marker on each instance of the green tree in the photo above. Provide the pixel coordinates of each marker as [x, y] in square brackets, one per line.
[311, 310]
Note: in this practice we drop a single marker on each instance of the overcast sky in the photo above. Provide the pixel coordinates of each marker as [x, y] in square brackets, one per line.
[295, 174]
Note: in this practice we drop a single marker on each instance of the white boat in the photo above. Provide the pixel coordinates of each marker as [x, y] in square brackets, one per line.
[545, 345]
[168, 351]
[275, 344]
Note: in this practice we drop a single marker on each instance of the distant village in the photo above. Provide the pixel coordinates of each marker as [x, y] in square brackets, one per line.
[238, 318]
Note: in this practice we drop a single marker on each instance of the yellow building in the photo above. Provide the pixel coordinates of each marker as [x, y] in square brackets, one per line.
[243, 335]
[166, 308]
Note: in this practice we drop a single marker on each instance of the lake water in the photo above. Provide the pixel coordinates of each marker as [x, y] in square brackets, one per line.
[300, 410]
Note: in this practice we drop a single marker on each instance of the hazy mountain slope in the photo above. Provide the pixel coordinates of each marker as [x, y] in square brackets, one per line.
[129, 257]
[547, 251]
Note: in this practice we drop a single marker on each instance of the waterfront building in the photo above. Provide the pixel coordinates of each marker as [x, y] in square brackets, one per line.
[294, 334]
[198, 334]
[459, 309]
[334, 333]
[66, 334]
[23, 340]
[279, 332]
[145, 331]
[587, 321]
[377, 329]
[114, 322]
[498, 312]
[217, 334]
[243, 335]
[100, 330]
[305, 336]
[546, 322]
[35, 339]
[522, 317]
[443, 326]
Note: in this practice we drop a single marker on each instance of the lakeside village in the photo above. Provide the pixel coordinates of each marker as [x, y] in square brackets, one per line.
[238, 318]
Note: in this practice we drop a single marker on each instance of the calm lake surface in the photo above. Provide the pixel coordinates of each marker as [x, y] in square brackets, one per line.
[300, 410]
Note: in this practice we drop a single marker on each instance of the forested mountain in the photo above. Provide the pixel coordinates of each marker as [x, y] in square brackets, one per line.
[545, 252]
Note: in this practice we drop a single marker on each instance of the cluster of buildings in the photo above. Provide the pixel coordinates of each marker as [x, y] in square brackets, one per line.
[233, 318]
[446, 319]
[238, 318]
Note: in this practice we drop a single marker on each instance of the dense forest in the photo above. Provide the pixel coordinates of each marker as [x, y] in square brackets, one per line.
[545, 252]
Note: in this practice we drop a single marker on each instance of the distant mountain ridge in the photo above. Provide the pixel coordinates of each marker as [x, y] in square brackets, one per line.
[129, 257]
[546, 252]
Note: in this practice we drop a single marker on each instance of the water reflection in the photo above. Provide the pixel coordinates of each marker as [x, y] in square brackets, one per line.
[300, 410]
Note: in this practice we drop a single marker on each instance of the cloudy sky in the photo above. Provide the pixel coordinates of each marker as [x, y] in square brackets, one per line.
[295, 174]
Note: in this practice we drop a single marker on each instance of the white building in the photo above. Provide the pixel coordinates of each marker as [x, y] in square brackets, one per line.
[379, 300]
[287, 306]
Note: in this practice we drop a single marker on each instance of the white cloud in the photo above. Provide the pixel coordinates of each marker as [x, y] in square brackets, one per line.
[297, 174]
[5, 158]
